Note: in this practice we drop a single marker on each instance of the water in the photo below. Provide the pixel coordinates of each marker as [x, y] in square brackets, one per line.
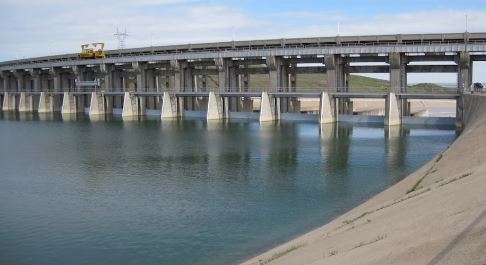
[186, 192]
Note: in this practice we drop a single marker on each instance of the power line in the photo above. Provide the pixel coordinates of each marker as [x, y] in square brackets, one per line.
[121, 37]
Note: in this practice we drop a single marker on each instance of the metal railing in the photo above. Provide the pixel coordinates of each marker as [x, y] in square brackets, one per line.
[262, 47]
[253, 90]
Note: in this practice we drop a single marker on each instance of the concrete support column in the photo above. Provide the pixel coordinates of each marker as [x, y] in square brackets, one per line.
[215, 107]
[267, 109]
[70, 104]
[151, 87]
[336, 76]
[392, 113]
[104, 75]
[276, 73]
[78, 74]
[169, 107]
[223, 78]
[131, 106]
[8, 102]
[204, 82]
[97, 105]
[397, 73]
[56, 79]
[46, 104]
[176, 77]
[19, 78]
[337, 80]
[187, 77]
[464, 71]
[36, 78]
[327, 110]
[398, 78]
[4, 76]
[26, 102]
[117, 80]
[139, 71]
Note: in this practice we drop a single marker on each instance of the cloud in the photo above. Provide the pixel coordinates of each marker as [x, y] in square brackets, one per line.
[53, 26]
[312, 15]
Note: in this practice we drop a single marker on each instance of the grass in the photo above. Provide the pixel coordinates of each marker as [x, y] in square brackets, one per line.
[365, 243]
[280, 254]
[456, 179]
[357, 83]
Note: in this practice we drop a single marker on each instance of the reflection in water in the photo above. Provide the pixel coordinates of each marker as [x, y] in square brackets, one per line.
[395, 144]
[185, 192]
[336, 144]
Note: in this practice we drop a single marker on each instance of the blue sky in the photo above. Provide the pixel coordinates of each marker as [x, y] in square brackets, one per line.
[45, 27]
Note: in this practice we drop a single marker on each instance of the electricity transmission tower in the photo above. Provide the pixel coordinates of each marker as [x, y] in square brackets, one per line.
[121, 37]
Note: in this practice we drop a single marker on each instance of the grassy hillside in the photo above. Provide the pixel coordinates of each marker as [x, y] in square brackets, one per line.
[317, 82]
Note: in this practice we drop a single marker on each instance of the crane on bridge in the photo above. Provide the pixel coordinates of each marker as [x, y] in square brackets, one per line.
[92, 51]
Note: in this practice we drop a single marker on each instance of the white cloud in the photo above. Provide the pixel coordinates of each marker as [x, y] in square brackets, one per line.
[312, 15]
[56, 26]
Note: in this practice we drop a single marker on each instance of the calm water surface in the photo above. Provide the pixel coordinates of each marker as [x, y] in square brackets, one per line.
[186, 192]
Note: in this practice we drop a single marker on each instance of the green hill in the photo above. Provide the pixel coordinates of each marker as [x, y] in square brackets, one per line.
[317, 82]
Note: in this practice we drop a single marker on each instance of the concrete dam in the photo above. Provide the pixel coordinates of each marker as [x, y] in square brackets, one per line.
[215, 78]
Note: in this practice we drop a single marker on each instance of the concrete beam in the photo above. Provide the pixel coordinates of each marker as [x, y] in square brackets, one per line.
[431, 58]
[368, 69]
[431, 68]
[253, 71]
[366, 59]
[310, 70]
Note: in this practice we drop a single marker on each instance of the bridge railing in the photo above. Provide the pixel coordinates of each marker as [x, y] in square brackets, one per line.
[261, 46]
[290, 46]
[414, 89]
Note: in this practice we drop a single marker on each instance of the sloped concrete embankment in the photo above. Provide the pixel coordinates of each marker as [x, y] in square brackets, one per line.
[437, 215]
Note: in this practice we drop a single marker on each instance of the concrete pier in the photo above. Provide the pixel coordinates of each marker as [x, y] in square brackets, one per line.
[46, 103]
[131, 106]
[215, 107]
[392, 112]
[8, 102]
[97, 105]
[267, 109]
[26, 102]
[70, 104]
[327, 109]
[230, 67]
[169, 107]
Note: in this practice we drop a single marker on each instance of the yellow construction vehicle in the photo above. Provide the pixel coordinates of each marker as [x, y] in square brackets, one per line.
[92, 51]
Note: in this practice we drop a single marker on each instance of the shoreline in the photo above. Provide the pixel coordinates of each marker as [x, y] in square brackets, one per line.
[436, 214]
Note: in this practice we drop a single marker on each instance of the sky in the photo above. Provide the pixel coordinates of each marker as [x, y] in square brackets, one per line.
[46, 27]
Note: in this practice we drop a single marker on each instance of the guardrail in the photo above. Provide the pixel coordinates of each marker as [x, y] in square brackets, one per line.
[128, 53]
[253, 90]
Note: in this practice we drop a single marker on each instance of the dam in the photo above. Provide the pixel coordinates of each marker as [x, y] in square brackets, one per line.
[216, 78]
[158, 182]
